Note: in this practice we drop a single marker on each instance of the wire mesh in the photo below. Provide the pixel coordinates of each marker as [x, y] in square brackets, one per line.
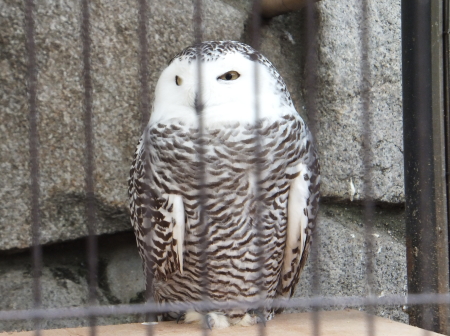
[317, 301]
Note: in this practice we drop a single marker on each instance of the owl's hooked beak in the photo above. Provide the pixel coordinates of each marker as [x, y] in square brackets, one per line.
[198, 103]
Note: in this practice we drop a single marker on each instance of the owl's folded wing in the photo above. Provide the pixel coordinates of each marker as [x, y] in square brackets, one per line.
[302, 211]
[158, 220]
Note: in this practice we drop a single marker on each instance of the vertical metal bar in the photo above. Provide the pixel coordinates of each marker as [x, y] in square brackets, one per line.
[426, 212]
[446, 95]
[311, 108]
[256, 44]
[198, 35]
[144, 107]
[440, 181]
[89, 160]
[367, 161]
[34, 158]
[143, 63]
[446, 60]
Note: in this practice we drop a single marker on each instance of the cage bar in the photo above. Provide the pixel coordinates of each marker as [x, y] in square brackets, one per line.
[90, 208]
[144, 106]
[33, 136]
[311, 109]
[426, 209]
[320, 301]
[256, 44]
[144, 73]
[446, 106]
[367, 158]
[204, 232]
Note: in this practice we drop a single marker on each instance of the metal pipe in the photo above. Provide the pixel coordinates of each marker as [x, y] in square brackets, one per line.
[425, 195]
[446, 66]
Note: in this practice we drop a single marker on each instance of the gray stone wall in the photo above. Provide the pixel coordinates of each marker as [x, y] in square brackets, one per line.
[117, 128]
[339, 99]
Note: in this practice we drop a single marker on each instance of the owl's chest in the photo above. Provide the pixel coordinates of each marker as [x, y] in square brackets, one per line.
[228, 160]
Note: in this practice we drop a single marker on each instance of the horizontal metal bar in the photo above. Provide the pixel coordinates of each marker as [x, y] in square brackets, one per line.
[319, 301]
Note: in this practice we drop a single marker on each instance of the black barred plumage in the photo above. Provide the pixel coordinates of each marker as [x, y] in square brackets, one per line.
[164, 187]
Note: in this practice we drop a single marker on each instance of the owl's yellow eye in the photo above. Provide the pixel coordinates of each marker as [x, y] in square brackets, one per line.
[178, 80]
[230, 75]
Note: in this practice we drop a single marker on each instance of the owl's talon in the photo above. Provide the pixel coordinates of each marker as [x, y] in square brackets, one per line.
[259, 314]
[208, 320]
[180, 315]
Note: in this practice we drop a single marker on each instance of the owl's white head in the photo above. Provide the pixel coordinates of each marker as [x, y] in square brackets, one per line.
[228, 92]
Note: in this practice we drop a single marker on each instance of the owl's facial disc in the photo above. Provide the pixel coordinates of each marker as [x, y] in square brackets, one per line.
[227, 91]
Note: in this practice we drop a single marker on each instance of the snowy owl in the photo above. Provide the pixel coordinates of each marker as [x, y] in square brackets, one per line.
[164, 186]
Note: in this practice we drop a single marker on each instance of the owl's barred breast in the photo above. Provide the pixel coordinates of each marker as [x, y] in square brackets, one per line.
[230, 208]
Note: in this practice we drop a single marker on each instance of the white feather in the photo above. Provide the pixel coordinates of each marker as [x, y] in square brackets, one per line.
[179, 227]
[297, 220]
[352, 189]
